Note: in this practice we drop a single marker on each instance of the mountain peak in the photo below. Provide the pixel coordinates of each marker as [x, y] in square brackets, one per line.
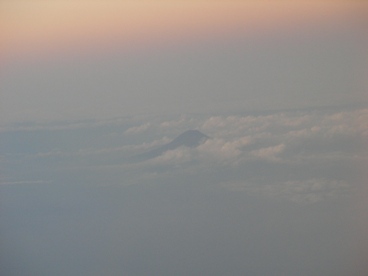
[190, 138]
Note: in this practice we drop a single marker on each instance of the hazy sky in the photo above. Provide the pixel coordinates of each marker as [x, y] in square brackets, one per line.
[280, 188]
[87, 59]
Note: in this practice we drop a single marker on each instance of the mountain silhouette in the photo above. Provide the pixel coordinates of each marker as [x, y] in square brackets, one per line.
[189, 138]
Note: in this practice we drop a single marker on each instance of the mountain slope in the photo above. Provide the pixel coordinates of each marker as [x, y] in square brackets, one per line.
[189, 138]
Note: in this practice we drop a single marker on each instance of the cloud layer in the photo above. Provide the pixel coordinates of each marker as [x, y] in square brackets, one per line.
[281, 152]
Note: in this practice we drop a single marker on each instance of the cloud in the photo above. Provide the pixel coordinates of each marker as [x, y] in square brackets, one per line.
[221, 149]
[264, 136]
[64, 125]
[269, 153]
[284, 135]
[138, 129]
[311, 190]
[212, 151]
[25, 182]
[292, 156]
[272, 149]
[172, 157]
[299, 191]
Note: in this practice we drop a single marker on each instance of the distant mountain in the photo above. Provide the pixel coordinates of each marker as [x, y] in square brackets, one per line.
[189, 138]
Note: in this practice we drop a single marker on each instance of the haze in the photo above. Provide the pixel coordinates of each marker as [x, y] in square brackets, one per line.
[224, 138]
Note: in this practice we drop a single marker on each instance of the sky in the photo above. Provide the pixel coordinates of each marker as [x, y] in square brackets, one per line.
[28, 25]
[279, 188]
[114, 59]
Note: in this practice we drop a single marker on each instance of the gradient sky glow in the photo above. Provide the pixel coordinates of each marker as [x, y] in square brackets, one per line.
[72, 60]
[38, 26]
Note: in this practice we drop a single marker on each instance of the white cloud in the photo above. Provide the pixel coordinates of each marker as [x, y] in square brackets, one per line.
[276, 137]
[90, 152]
[171, 157]
[138, 129]
[298, 138]
[269, 153]
[222, 150]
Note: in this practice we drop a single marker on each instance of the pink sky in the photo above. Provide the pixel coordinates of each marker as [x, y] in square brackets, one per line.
[38, 27]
